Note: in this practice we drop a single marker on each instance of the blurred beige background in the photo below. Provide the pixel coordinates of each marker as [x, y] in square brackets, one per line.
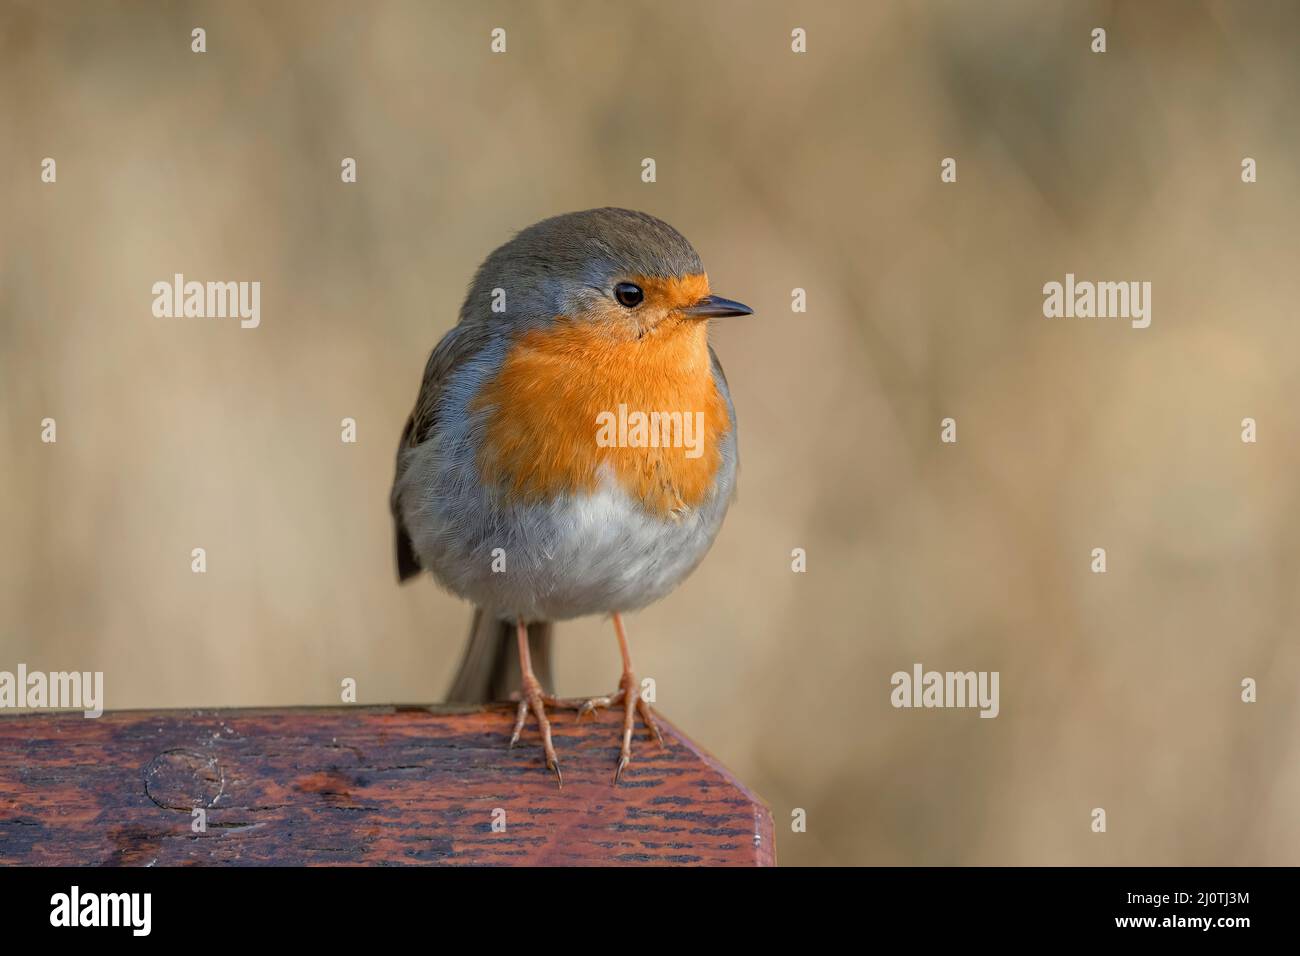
[818, 171]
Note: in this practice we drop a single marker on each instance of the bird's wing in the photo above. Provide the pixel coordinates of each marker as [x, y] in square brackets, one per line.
[461, 344]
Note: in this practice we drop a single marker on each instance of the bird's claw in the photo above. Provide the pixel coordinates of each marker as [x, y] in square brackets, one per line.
[532, 698]
[589, 706]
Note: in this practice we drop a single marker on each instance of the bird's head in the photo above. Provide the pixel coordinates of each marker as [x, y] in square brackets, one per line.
[625, 273]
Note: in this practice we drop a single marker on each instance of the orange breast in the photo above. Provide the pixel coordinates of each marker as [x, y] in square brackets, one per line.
[559, 389]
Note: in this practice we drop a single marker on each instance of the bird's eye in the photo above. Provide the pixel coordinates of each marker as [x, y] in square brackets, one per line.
[628, 294]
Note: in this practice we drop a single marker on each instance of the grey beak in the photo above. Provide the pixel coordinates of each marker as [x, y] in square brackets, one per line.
[715, 307]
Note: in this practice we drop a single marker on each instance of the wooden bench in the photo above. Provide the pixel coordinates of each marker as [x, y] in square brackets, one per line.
[361, 785]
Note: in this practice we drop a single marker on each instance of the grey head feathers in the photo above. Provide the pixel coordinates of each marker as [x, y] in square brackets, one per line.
[562, 264]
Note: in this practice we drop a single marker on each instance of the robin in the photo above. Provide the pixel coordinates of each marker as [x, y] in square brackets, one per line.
[572, 450]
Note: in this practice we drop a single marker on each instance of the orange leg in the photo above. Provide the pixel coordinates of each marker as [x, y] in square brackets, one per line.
[629, 693]
[531, 696]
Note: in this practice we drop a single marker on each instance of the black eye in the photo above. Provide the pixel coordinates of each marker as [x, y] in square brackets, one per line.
[628, 294]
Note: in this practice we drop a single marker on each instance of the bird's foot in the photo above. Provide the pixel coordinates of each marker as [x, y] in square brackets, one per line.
[532, 698]
[633, 703]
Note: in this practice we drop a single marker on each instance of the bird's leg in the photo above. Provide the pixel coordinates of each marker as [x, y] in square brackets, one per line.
[531, 696]
[629, 695]
[633, 702]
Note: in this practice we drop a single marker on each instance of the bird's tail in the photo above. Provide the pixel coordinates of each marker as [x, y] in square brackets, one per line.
[489, 669]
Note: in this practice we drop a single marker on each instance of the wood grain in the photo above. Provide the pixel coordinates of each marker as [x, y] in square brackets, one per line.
[362, 785]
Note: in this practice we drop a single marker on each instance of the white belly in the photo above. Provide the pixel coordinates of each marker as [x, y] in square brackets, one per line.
[584, 554]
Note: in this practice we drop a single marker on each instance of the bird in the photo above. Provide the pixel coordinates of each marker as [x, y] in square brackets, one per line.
[527, 479]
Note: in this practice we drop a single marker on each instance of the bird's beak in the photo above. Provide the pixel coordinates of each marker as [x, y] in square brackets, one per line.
[715, 307]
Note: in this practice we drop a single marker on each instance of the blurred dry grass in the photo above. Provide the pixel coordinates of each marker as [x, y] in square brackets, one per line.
[819, 171]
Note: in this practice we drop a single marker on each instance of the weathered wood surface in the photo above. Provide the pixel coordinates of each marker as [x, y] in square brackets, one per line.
[361, 785]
